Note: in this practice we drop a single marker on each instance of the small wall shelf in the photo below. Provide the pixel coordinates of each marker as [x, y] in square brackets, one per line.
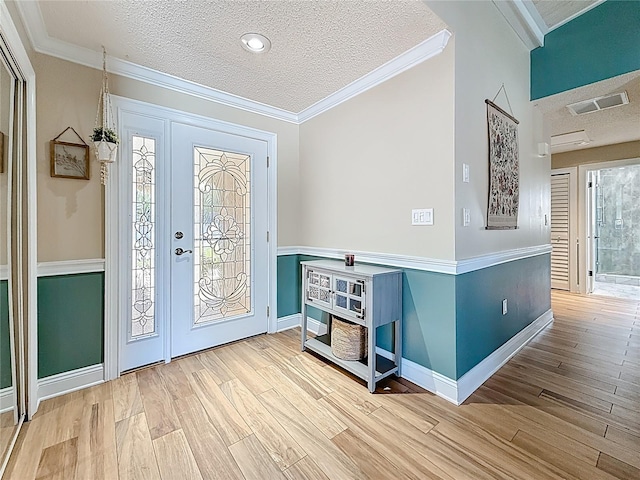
[366, 295]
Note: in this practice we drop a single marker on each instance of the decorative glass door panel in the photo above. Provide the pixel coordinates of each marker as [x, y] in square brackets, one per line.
[222, 233]
[140, 173]
[143, 321]
[219, 212]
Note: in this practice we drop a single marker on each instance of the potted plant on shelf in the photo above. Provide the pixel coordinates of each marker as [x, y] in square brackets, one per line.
[106, 142]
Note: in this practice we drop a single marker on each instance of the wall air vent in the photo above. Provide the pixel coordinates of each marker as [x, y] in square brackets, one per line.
[572, 138]
[599, 103]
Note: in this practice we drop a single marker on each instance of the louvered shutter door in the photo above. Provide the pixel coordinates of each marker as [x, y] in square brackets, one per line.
[560, 231]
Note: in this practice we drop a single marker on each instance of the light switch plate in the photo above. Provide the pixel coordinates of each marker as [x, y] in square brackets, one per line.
[466, 217]
[422, 216]
[465, 173]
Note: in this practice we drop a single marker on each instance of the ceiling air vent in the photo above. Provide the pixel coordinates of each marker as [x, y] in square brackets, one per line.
[599, 103]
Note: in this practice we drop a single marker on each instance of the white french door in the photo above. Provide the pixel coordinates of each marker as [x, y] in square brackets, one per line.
[219, 269]
[193, 256]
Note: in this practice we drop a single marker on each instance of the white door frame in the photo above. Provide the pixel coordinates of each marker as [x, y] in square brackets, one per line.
[583, 208]
[113, 206]
[27, 212]
[574, 279]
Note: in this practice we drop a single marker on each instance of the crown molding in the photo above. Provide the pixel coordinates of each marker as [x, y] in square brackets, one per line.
[577, 14]
[43, 43]
[525, 20]
[412, 57]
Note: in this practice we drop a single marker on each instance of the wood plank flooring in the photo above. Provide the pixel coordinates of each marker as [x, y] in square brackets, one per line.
[567, 406]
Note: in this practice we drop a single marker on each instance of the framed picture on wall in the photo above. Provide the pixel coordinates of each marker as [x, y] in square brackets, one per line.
[69, 160]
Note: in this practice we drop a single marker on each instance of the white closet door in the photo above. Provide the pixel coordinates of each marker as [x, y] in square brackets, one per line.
[560, 231]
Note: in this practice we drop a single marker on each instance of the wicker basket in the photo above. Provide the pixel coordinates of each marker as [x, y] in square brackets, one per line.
[348, 340]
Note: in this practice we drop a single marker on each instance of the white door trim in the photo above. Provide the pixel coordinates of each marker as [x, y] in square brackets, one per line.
[28, 334]
[113, 207]
[583, 200]
[573, 224]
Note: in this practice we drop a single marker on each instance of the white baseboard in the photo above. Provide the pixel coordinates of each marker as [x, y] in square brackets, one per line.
[426, 378]
[288, 322]
[6, 399]
[68, 382]
[470, 381]
[295, 320]
[316, 327]
[453, 391]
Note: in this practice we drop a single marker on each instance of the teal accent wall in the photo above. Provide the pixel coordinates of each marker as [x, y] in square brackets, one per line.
[600, 44]
[428, 320]
[451, 322]
[70, 322]
[289, 277]
[290, 287]
[480, 326]
[5, 341]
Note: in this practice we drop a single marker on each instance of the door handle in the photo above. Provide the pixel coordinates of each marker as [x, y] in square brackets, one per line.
[180, 251]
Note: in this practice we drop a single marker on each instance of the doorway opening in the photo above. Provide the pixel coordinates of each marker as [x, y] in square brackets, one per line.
[616, 228]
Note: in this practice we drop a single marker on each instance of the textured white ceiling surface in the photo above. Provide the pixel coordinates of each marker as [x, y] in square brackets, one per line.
[317, 48]
[606, 127]
[554, 12]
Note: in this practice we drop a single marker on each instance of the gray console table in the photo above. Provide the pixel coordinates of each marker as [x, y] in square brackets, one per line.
[367, 295]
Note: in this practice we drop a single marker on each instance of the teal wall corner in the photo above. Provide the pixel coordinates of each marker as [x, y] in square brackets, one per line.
[288, 290]
[602, 43]
[428, 320]
[70, 322]
[480, 326]
[5, 340]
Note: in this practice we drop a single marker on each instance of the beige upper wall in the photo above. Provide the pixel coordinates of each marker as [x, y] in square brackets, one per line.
[367, 162]
[607, 153]
[71, 212]
[488, 54]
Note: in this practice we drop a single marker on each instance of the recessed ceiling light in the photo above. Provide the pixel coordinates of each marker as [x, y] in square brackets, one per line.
[255, 43]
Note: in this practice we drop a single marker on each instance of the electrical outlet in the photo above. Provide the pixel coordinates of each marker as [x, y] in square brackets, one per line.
[466, 217]
[465, 173]
[504, 306]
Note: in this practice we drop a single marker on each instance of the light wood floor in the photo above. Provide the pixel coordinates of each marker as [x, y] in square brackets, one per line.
[565, 407]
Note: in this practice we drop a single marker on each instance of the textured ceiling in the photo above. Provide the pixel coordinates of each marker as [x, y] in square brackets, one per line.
[606, 127]
[318, 47]
[554, 12]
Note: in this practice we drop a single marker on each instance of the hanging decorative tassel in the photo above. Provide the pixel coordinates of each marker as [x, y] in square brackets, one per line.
[105, 139]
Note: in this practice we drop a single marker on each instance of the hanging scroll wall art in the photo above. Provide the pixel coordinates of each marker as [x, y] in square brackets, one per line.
[504, 179]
